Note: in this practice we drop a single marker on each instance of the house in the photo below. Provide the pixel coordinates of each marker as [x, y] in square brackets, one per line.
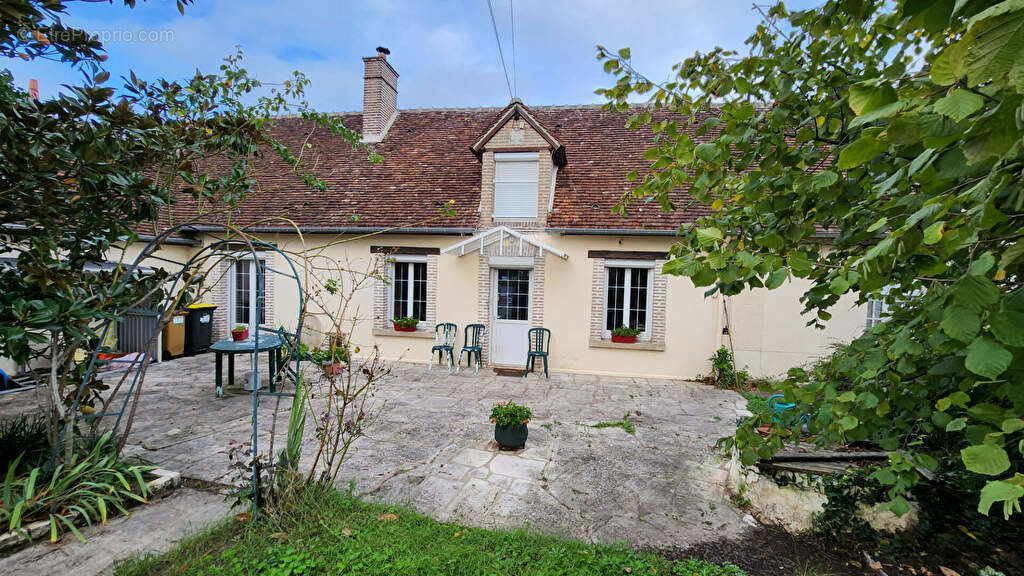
[533, 241]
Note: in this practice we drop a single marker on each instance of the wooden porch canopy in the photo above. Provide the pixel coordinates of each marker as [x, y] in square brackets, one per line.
[506, 239]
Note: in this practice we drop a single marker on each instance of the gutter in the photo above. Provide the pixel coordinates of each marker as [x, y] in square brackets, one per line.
[611, 232]
[644, 232]
[449, 231]
[170, 240]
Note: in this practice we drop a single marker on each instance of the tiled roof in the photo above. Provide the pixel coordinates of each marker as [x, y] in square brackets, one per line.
[428, 161]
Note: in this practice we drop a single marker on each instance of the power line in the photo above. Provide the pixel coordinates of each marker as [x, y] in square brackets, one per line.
[515, 71]
[500, 53]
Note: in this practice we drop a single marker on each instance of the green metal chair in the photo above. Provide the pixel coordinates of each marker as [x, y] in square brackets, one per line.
[444, 344]
[540, 341]
[471, 345]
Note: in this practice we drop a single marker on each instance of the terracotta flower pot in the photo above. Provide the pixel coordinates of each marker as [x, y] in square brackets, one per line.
[330, 368]
[399, 328]
[624, 339]
[511, 437]
[239, 335]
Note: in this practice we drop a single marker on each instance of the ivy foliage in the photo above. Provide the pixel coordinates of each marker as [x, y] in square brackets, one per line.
[870, 150]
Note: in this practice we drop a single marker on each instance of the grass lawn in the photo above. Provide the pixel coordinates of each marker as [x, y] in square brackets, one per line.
[756, 404]
[325, 532]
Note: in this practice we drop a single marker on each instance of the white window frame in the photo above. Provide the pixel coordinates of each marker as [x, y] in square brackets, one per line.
[526, 157]
[627, 296]
[406, 259]
[253, 292]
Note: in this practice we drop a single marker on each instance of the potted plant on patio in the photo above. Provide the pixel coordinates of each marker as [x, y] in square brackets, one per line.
[240, 332]
[625, 335]
[330, 359]
[407, 324]
[510, 420]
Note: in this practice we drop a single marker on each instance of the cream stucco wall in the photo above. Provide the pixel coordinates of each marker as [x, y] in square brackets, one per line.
[768, 331]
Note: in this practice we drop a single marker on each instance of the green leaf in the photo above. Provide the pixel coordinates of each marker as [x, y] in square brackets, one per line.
[983, 264]
[933, 233]
[1011, 254]
[987, 459]
[899, 506]
[864, 97]
[987, 412]
[949, 66]
[998, 41]
[976, 292]
[956, 424]
[878, 224]
[848, 422]
[860, 151]
[959, 104]
[624, 53]
[1000, 491]
[1008, 327]
[987, 358]
[824, 179]
[1011, 425]
[708, 236]
[838, 285]
[960, 323]
[776, 278]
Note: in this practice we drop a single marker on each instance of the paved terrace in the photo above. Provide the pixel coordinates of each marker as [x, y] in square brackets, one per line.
[431, 447]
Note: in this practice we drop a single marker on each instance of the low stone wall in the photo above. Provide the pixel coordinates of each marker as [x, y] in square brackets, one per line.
[791, 500]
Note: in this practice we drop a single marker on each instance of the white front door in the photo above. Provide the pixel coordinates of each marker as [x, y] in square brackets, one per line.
[510, 316]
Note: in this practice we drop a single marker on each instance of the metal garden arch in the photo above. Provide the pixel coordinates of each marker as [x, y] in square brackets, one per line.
[173, 288]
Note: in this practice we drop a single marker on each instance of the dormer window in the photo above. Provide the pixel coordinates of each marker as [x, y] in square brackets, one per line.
[515, 185]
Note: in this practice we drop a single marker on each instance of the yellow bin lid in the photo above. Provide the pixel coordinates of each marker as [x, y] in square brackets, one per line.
[201, 305]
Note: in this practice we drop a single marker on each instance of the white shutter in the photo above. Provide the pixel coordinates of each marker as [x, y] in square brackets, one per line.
[515, 185]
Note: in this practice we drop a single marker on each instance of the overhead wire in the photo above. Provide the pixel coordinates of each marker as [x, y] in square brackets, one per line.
[501, 54]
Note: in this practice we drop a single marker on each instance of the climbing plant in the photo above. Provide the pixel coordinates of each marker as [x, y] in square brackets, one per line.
[865, 149]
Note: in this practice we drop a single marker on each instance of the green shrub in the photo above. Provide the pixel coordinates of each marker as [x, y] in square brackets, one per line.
[510, 414]
[89, 486]
[723, 373]
[23, 439]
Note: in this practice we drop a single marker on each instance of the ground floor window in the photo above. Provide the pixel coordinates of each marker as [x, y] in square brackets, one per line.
[409, 289]
[513, 295]
[628, 299]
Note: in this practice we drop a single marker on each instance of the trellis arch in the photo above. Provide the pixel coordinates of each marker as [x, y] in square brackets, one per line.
[173, 289]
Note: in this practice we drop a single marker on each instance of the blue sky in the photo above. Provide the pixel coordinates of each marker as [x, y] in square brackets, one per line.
[444, 51]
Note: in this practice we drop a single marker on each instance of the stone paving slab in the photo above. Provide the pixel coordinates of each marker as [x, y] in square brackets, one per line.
[152, 528]
[432, 447]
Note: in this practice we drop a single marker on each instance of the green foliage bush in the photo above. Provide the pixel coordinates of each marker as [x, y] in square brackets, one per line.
[723, 373]
[510, 414]
[874, 150]
[92, 484]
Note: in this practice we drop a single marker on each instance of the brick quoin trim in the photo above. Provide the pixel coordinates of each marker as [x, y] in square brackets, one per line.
[483, 304]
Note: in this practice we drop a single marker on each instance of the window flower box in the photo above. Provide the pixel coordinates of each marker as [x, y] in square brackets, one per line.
[407, 324]
[625, 335]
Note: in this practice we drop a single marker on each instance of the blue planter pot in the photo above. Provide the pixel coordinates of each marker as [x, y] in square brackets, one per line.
[510, 437]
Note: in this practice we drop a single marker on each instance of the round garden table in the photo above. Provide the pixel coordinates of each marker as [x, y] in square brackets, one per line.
[269, 343]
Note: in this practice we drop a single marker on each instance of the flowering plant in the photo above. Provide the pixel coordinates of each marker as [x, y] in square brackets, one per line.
[510, 415]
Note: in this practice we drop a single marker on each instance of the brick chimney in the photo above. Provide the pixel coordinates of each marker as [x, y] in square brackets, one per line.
[380, 95]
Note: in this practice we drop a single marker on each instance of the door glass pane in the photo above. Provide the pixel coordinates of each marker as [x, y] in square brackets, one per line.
[638, 298]
[241, 312]
[419, 290]
[513, 295]
[616, 296]
[400, 288]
